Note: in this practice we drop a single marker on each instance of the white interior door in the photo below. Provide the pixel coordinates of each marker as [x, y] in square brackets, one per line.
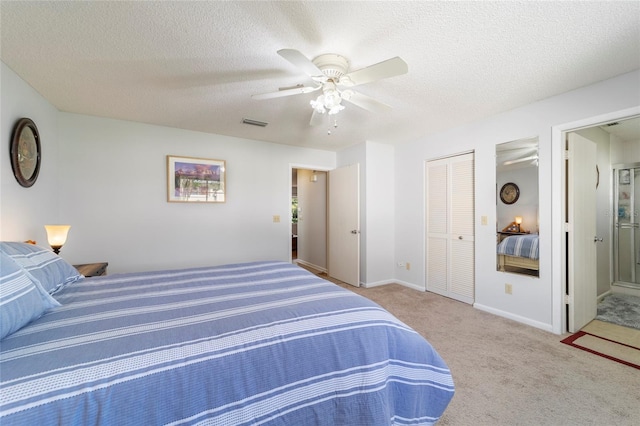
[344, 224]
[581, 243]
[437, 197]
[462, 229]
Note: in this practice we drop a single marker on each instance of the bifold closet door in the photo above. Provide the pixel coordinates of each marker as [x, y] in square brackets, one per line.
[450, 252]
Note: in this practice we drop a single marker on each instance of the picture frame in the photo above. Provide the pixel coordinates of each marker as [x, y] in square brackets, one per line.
[25, 151]
[625, 177]
[196, 180]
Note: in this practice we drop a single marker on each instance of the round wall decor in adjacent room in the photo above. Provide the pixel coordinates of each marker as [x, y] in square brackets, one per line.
[509, 193]
[25, 152]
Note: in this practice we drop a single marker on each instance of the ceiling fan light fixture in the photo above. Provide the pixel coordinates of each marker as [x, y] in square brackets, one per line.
[335, 109]
[330, 100]
[318, 104]
[331, 72]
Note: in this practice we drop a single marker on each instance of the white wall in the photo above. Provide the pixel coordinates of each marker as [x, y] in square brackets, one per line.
[534, 301]
[380, 207]
[377, 209]
[107, 179]
[25, 211]
[624, 152]
[113, 178]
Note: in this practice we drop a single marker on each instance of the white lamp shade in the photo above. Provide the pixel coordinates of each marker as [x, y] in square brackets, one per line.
[519, 220]
[57, 234]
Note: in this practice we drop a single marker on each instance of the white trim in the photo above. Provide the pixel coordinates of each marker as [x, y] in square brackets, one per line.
[603, 295]
[517, 318]
[289, 218]
[378, 283]
[310, 265]
[410, 285]
[625, 289]
[558, 249]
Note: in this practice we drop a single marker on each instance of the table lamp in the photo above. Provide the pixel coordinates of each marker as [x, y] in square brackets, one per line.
[57, 236]
[519, 222]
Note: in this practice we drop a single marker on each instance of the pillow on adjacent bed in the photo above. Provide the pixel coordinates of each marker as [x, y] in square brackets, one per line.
[22, 299]
[52, 271]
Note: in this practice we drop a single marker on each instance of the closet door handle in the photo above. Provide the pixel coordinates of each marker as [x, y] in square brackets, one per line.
[459, 237]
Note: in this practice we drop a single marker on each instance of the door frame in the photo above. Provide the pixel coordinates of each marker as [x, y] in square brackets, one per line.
[558, 206]
[290, 198]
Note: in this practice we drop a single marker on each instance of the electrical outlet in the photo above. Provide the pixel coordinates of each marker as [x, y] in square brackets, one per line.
[276, 218]
[483, 220]
[508, 289]
[408, 266]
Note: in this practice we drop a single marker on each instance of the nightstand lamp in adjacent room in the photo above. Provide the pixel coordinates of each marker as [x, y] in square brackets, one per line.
[519, 222]
[57, 236]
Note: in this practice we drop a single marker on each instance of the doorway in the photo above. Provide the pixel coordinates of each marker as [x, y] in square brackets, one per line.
[326, 229]
[309, 218]
[617, 139]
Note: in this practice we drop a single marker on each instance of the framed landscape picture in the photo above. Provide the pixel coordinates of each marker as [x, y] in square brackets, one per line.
[195, 180]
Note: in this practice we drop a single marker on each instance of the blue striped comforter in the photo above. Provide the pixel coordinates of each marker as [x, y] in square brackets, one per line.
[520, 246]
[255, 343]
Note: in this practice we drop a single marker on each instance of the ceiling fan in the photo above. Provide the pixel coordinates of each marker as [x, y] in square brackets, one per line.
[330, 72]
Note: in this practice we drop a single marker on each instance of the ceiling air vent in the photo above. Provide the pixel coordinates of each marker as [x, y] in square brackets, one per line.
[254, 122]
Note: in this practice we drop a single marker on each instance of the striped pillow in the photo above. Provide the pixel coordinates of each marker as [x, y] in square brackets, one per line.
[52, 271]
[22, 299]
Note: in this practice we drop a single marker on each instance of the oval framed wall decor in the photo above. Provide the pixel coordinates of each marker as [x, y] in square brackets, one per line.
[509, 193]
[25, 152]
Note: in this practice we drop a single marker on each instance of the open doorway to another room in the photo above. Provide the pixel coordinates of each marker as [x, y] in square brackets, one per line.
[309, 218]
[616, 237]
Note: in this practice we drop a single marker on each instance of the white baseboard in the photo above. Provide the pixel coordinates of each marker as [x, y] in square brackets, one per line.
[498, 312]
[517, 318]
[310, 265]
[376, 283]
[385, 282]
[603, 295]
[410, 285]
[621, 288]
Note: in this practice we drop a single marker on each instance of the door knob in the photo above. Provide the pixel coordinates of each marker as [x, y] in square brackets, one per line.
[354, 231]
[460, 237]
[597, 240]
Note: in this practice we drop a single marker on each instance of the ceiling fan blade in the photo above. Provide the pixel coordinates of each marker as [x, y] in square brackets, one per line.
[286, 92]
[300, 61]
[368, 103]
[389, 68]
[316, 118]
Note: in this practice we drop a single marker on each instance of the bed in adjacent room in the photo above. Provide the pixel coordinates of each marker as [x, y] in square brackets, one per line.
[519, 251]
[252, 343]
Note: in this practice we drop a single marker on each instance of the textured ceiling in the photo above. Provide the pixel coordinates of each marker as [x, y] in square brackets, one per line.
[195, 65]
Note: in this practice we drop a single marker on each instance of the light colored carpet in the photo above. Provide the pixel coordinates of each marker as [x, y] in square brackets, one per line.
[507, 373]
[621, 309]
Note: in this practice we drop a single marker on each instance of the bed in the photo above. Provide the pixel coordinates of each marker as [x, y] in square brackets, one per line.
[519, 251]
[250, 343]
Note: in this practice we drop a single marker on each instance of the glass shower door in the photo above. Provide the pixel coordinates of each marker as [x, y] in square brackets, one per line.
[627, 224]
